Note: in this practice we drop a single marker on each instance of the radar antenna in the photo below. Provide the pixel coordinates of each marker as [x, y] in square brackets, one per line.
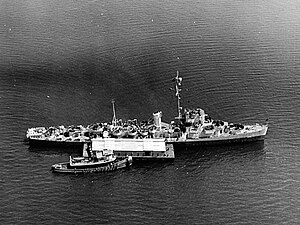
[114, 120]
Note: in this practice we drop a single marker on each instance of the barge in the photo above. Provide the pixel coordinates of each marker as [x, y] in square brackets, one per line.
[138, 149]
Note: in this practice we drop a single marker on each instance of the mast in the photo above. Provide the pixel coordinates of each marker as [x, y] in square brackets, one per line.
[178, 81]
[114, 120]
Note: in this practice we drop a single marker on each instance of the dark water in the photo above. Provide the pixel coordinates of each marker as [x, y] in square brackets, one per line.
[62, 62]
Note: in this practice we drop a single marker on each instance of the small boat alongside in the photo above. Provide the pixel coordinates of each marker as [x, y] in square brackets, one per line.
[93, 161]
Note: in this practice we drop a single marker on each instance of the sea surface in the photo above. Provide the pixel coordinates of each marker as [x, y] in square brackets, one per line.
[62, 62]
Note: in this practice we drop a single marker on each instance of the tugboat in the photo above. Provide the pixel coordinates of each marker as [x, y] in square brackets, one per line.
[92, 161]
[195, 127]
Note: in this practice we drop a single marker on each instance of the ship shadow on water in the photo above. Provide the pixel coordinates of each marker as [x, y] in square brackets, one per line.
[205, 153]
[55, 150]
[209, 161]
[152, 164]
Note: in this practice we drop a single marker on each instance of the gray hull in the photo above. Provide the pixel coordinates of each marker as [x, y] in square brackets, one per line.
[229, 140]
[115, 166]
[56, 144]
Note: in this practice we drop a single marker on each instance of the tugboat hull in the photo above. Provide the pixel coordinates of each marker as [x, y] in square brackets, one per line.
[65, 168]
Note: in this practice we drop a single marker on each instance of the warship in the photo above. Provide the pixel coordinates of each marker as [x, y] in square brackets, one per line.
[190, 127]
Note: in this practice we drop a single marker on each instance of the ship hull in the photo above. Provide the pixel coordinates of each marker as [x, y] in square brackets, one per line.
[229, 140]
[216, 141]
[56, 144]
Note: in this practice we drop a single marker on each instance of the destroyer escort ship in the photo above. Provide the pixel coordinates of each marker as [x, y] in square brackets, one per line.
[190, 127]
